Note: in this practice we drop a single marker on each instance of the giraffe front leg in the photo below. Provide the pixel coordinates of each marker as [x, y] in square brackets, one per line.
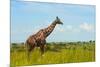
[42, 46]
[42, 49]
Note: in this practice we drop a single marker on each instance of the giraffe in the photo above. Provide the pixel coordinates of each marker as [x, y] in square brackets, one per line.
[39, 39]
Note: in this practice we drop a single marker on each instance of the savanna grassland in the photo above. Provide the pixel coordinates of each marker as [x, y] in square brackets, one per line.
[55, 53]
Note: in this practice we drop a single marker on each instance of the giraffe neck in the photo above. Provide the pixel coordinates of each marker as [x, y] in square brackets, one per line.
[49, 29]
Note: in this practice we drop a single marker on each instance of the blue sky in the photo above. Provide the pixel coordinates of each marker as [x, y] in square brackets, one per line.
[28, 17]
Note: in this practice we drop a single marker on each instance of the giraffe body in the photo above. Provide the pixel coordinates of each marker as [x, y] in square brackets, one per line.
[39, 39]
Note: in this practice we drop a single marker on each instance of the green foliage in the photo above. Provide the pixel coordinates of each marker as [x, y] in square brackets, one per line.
[55, 53]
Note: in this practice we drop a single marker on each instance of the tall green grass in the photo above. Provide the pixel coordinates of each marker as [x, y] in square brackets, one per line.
[55, 53]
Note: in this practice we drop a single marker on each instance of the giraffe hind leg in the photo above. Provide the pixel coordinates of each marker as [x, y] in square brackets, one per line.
[42, 50]
[29, 50]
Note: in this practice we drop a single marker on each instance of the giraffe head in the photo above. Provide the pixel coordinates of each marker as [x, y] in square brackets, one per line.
[58, 21]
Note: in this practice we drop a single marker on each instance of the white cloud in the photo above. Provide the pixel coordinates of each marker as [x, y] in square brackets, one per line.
[72, 29]
[61, 30]
[58, 28]
[69, 27]
[76, 29]
[87, 27]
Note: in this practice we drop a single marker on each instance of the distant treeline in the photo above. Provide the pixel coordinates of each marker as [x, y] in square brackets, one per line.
[60, 43]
